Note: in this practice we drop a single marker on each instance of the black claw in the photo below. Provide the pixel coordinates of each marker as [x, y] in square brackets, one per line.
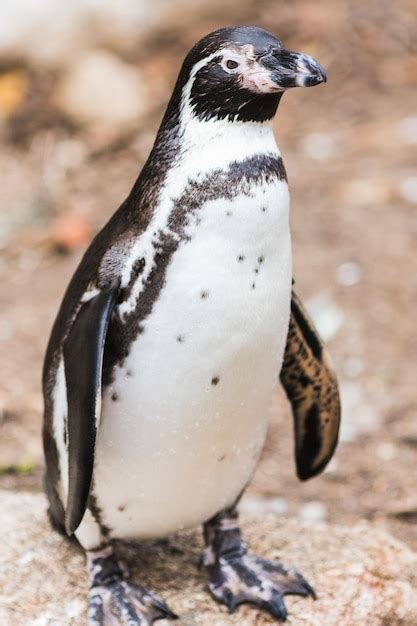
[276, 607]
[299, 587]
[167, 613]
[156, 603]
[309, 589]
[172, 615]
[276, 612]
[229, 600]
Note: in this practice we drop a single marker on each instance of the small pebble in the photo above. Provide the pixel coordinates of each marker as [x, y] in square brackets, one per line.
[408, 189]
[278, 505]
[5, 330]
[255, 505]
[319, 146]
[326, 315]
[366, 192]
[387, 451]
[353, 367]
[349, 274]
[70, 153]
[313, 512]
[28, 557]
[42, 620]
[356, 569]
[74, 608]
[28, 260]
[407, 130]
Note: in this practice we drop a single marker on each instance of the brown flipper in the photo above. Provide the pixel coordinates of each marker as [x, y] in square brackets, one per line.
[311, 387]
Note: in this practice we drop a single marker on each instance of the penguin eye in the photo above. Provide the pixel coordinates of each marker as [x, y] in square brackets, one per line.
[231, 65]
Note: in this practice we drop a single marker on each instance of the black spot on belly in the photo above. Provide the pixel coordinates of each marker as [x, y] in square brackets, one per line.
[261, 259]
[240, 258]
[129, 373]
[263, 209]
[204, 295]
[253, 285]
[215, 381]
[229, 213]
[256, 270]
[222, 458]
[180, 338]
[114, 397]
[240, 177]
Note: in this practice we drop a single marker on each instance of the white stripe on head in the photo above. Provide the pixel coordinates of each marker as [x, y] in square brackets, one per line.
[252, 76]
[205, 145]
[196, 134]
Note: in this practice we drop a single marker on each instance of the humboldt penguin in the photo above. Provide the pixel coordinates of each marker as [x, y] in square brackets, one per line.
[161, 364]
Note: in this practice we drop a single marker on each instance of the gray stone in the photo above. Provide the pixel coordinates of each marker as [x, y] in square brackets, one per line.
[101, 89]
[25, 27]
[361, 574]
[81, 25]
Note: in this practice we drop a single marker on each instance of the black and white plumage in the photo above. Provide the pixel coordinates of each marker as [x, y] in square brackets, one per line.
[159, 372]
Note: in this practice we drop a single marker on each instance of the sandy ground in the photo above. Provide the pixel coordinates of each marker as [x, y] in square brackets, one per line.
[361, 574]
[349, 149]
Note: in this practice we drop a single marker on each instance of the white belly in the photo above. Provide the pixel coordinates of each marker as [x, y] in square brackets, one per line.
[185, 420]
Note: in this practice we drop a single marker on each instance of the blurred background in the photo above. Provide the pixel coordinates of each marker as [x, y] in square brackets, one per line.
[83, 86]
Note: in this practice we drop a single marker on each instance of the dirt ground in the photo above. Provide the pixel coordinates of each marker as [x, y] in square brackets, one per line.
[349, 150]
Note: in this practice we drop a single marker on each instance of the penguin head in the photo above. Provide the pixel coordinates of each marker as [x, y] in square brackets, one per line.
[240, 74]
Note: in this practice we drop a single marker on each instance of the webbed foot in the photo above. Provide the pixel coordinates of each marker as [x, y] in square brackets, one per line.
[113, 601]
[240, 579]
[236, 577]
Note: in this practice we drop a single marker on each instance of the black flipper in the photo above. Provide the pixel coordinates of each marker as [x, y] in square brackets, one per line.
[311, 387]
[83, 360]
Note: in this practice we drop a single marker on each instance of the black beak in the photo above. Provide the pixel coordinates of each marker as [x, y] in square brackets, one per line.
[293, 69]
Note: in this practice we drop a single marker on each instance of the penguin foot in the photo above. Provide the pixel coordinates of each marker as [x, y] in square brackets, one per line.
[113, 601]
[236, 577]
[251, 579]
